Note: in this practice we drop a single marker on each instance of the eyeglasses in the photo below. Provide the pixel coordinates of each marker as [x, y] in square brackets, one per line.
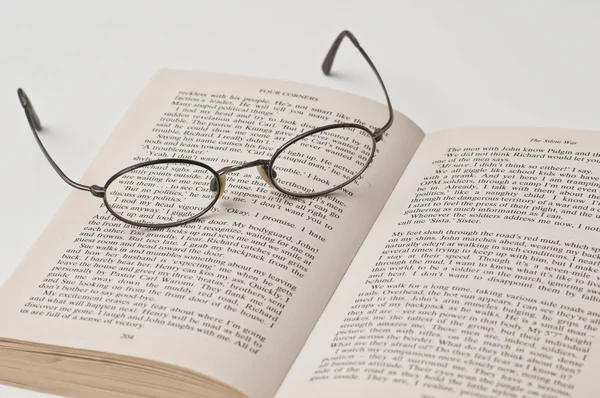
[169, 192]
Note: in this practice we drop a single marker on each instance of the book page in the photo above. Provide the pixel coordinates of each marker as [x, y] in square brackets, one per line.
[235, 294]
[481, 277]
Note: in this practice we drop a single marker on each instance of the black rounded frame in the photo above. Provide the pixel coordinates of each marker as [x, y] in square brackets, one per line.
[152, 163]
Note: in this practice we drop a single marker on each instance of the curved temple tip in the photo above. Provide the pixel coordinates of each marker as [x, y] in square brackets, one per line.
[22, 97]
[328, 61]
[350, 36]
[29, 110]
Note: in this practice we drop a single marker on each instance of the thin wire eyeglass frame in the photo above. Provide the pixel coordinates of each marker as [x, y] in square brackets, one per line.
[265, 166]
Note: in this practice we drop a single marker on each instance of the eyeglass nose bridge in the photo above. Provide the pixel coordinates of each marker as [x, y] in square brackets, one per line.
[262, 165]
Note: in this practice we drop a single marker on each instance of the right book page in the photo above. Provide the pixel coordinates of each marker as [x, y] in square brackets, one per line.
[479, 279]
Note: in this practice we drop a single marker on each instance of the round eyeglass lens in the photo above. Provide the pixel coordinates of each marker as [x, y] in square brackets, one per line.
[163, 193]
[324, 161]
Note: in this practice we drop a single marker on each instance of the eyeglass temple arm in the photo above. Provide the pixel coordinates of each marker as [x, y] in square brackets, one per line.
[36, 127]
[328, 62]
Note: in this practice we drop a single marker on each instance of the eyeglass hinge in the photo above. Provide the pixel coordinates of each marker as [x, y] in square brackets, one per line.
[97, 191]
[378, 134]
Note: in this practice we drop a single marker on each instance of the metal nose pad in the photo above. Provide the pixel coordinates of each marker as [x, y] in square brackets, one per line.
[213, 185]
[262, 170]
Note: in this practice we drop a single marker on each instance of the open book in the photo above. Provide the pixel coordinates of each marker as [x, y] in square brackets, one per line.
[462, 264]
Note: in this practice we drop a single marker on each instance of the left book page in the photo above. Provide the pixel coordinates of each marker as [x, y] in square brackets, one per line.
[233, 295]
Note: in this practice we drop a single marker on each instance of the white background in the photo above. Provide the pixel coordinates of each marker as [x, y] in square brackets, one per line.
[445, 63]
